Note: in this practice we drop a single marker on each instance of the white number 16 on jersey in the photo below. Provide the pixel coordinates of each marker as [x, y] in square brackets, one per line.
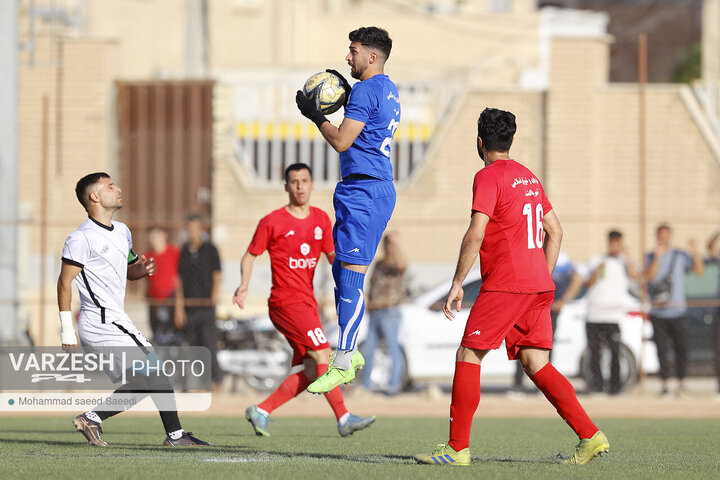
[535, 239]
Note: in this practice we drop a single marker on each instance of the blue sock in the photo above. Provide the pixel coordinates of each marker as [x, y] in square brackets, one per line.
[336, 267]
[351, 307]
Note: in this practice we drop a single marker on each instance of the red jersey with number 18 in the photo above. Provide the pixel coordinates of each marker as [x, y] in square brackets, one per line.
[295, 246]
[511, 256]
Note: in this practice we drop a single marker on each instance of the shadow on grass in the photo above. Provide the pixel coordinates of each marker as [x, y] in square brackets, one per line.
[556, 459]
[139, 450]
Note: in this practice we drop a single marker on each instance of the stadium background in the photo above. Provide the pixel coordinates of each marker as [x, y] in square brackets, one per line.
[188, 105]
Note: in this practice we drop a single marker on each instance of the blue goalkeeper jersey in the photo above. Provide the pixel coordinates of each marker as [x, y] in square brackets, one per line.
[375, 102]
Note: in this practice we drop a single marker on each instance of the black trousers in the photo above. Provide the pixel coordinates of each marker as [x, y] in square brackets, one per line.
[670, 335]
[161, 324]
[159, 389]
[599, 334]
[201, 331]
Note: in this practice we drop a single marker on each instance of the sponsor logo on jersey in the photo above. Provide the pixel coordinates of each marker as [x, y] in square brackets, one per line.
[346, 300]
[318, 233]
[104, 249]
[354, 250]
[304, 248]
[476, 332]
[302, 263]
[291, 232]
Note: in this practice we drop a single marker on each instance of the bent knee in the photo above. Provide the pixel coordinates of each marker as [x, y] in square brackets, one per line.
[470, 355]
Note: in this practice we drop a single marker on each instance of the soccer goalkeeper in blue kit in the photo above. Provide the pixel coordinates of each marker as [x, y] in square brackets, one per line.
[365, 198]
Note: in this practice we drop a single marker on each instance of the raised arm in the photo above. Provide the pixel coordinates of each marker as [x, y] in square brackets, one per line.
[246, 268]
[698, 266]
[553, 238]
[68, 273]
[651, 270]
[469, 250]
[342, 137]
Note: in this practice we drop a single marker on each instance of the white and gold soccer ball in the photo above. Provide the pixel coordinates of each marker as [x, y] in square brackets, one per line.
[327, 90]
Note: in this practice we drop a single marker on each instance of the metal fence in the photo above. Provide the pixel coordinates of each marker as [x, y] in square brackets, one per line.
[269, 133]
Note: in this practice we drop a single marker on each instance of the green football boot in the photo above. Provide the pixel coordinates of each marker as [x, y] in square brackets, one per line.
[335, 376]
[589, 448]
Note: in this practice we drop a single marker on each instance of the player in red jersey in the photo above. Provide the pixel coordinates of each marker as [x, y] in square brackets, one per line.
[518, 235]
[295, 236]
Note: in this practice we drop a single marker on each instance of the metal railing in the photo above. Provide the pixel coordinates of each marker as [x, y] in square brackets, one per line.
[265, 149]
[269, 133]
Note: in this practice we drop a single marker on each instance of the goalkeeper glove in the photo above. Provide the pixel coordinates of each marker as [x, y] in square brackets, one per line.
[309, 109]
[344, 84]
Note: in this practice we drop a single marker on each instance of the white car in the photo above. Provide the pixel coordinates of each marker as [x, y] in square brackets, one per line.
[429, 341]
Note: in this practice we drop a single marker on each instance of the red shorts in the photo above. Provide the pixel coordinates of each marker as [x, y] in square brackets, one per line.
[519, 319]
[300, 324]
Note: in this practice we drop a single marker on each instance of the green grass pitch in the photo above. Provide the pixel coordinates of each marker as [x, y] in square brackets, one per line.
[32, 448]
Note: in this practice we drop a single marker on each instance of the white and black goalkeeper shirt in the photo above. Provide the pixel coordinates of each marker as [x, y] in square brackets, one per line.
[104, 254]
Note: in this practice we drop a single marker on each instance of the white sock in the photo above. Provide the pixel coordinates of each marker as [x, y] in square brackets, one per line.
[343, 420]
[93, 416]
[260, 410]
[343, 359]
[176, 434]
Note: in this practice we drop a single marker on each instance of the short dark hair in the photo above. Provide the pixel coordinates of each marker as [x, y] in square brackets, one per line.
[663, 226]
[614, 235]
[84, 184]
[496, 128]
[373, 37]
[194, 217]
[294, 168]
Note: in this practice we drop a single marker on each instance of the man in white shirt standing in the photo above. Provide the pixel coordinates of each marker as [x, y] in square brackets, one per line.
[99, 258]
[608, 303]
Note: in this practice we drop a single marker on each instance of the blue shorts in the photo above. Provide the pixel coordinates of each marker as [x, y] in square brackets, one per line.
[363, 208]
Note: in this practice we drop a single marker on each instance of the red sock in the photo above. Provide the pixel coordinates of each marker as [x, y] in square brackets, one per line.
[290, 388]
[465, 400]
[561, 394]
[334, 396]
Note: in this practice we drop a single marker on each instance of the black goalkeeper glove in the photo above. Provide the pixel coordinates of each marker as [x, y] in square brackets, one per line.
[309, 109]
[344, 83]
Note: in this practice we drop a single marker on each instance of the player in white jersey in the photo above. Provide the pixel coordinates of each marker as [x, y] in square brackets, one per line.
[98, 257]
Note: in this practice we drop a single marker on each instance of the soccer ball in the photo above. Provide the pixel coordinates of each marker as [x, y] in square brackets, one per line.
[327, 90]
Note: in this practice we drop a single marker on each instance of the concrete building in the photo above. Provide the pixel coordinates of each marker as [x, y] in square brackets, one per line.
[451, 59]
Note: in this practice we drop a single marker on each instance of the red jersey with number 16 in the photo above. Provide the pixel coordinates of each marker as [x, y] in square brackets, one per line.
[295, 246]
[511, 256]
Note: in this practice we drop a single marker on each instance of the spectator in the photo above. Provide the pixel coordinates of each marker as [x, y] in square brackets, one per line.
[608, 285]
[714, 251]
[665, 270]
[161, 287]
[388, 290]
[198, 287]
[568, 283]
